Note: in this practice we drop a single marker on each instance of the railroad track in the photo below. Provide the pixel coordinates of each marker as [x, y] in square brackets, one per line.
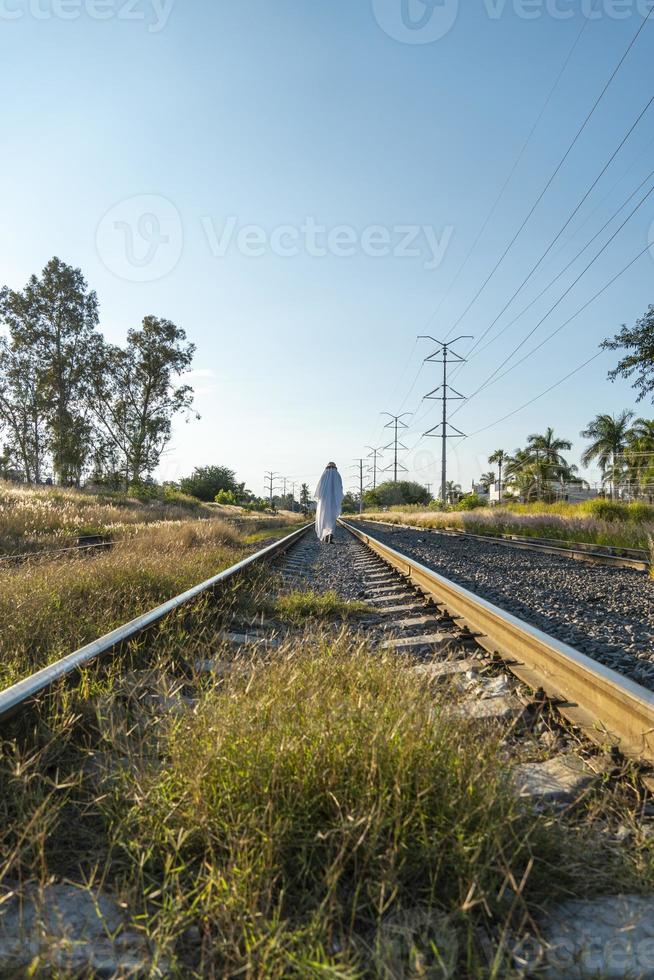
[608, 707]
[635, 558]
[505, 672]
[412, 599]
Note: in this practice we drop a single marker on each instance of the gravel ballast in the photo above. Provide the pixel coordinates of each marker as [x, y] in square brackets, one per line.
[605, 612]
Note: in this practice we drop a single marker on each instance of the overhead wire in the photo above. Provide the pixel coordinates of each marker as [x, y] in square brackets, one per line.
[556, 170]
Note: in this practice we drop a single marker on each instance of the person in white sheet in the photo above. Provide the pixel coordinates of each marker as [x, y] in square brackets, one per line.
[329, 494]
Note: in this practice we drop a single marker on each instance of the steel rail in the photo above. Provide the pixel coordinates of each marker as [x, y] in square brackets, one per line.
[610, 708]
[26, 556]
[571, 550]
[14, 698]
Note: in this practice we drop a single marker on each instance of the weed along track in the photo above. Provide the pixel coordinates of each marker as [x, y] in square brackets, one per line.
[327, 760]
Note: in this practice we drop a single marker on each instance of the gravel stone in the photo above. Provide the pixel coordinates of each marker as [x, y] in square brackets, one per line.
[607, 613]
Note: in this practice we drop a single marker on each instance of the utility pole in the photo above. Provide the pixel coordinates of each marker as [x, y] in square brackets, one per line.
[396, 423]
[359, 463]
[440, 356]
[374, 453]
[271, 476]
[293, 495]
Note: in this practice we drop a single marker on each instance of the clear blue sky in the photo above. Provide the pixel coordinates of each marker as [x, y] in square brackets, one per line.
[214, 116]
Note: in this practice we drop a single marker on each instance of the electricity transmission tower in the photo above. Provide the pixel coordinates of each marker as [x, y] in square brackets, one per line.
[444, 355]
[396, 424]
[359, 466]
[270, 478]
[374, 453]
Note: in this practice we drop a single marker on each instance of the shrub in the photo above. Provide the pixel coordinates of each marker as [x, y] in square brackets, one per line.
[470, 502]
[226, 497]
[206, 481]
[402, 492]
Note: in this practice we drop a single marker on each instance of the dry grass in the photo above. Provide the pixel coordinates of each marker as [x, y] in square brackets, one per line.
[320, 814]
[49, 609]
[565, 522]
[33, 519]
[40, 518]
[298, 607]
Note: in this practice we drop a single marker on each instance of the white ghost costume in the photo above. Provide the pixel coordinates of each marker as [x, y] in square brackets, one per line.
[329, 494]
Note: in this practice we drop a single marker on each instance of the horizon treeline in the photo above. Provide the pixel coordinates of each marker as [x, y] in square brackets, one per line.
[74, 406]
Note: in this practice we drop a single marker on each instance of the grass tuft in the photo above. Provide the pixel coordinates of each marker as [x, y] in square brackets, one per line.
[617, 525]
[323, 815]
[297, 607]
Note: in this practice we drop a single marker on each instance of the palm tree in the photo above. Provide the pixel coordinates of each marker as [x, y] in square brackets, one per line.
[499, 457]
[486, 480]
[547, 453]
[639, 457]
[609, 437]
[520, 471]
[452, 491]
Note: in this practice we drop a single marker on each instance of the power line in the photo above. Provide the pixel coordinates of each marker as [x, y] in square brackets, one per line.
[554, 173]
[269, 481]
[516, 163]
[565, 268]
[563, 295]
[374, 453]
[574, 315]
[396, 424]
[537, 397]
[550, 246]
[562, 229]
[440, 356]
[359, 465]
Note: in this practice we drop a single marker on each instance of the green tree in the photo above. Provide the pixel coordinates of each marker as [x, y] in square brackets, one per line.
[452, 492]
[390, 493]
[206, 482]
[498, 458]
[53, 321]
[638, 363]
[609, 436]
[546, 453]
[305, 498]
[487, 480]
[639, 457]
[135, 394]
[22, 411]
[350, 504]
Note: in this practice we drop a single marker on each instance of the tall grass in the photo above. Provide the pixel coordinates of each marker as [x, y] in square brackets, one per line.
[34, 518]
[317, 813]
[47, 610]
[618, 525]
[324, 814]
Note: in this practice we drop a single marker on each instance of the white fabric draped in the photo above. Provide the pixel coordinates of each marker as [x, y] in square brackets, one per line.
[329, 494]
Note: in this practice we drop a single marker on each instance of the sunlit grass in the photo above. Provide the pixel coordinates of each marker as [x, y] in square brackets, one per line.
[49, 609]
[37, 518]
[314, 811]
[628, 526]
[298, 606]
[324, 814]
